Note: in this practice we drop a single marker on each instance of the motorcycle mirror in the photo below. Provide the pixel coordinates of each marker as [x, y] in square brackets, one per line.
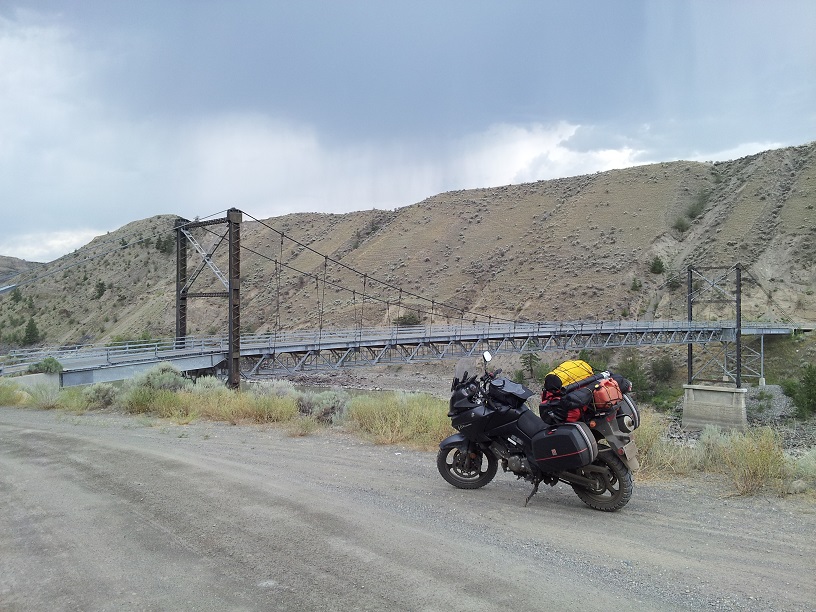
[487, 356]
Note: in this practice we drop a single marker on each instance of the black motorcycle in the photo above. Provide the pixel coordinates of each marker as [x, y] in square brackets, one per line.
[595, 455]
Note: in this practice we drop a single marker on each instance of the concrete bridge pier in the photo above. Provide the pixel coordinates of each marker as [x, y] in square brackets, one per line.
[720, 406]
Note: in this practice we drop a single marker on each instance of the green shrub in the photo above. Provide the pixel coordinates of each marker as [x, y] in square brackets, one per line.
[681, 224]
[598, 359]
[164, 376]
[657, 266]
[664, 398]
[49, 365]
[632, 368]
[169, 404]
[274, 409]
[32, 333]
[137, 400]
[675, 282]
[408, 319]
[72, 399]
[805, 398]
[662, 369]
[697, 207]
[100, 395]
[529, 361]
[802, 392]
[541, 370]
[790, 387]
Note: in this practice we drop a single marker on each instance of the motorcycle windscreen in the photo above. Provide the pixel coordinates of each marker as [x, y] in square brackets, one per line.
[564, 447]
[466, 366]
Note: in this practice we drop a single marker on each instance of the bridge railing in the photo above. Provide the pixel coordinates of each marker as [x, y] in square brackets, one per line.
[93, 355]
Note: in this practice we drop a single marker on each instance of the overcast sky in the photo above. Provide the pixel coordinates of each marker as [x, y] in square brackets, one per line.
[115, 111]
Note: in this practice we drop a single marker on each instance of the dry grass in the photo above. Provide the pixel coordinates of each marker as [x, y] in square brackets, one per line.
[415, 419]
[658, 455]
[756, 460]
[753, 460]
[238, 407]
[43, 396]
[10, 394]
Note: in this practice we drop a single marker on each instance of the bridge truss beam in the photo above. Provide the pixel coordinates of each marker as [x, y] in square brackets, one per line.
[407, 347]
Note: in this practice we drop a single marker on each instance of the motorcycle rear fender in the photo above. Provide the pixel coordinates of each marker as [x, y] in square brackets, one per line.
[627, 453]
[621, 444]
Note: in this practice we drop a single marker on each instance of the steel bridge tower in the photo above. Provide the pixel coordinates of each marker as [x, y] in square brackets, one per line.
[231, 282]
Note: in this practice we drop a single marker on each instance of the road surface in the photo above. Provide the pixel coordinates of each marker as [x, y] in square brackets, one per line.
[110, 512]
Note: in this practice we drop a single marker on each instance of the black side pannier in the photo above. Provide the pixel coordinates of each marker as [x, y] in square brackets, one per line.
[564, 447]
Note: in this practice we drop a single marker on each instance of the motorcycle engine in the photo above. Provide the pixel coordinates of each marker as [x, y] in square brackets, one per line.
[518, 464]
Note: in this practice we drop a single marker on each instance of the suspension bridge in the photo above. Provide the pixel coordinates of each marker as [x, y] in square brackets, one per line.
[310, 351]
[285, 352]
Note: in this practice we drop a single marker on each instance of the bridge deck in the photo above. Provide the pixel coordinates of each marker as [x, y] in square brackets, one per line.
[294, 351]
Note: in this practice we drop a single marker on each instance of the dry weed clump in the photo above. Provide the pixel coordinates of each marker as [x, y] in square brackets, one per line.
[235, 407]
[804, 467]
[11, 394]
[755, 459]
[43, 396]
[401, 418]
[657, 454]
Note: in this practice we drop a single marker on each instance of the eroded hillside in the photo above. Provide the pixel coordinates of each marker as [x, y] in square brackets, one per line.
[579, 247]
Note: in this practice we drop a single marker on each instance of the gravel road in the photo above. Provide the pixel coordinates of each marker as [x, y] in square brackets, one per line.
[110, 512]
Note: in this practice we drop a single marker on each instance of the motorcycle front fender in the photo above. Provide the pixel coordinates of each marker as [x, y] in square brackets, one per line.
[457, 440]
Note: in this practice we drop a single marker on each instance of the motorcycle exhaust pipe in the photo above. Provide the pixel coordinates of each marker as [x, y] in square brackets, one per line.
[626, 424]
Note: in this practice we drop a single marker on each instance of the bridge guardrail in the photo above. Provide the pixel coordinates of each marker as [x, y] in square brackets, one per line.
[92, 355]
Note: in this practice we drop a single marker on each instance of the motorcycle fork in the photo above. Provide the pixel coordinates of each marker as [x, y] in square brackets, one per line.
[472, 454]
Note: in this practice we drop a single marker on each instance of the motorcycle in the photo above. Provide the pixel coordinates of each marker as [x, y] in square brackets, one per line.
[594, 455]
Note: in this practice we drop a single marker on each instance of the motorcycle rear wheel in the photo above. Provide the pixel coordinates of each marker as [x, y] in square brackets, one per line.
[465, 472]
[613, 484]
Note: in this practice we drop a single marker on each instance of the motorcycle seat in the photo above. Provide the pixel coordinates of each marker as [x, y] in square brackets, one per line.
[530, 424]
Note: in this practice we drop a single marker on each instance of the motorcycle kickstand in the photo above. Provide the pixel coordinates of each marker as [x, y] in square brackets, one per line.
[533, 492]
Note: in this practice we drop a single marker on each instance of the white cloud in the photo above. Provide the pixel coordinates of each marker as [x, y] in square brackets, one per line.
[515, 154]
[45, 246]
[740, 150]
[71, 159]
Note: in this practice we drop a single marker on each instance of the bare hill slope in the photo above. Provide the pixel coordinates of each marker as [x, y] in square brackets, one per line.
[579, 247]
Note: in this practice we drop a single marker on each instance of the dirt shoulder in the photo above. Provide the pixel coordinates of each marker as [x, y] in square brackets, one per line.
[107, 511]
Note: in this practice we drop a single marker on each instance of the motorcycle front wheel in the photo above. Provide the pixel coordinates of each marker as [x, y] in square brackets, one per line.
[466, 470]
[612, 484]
